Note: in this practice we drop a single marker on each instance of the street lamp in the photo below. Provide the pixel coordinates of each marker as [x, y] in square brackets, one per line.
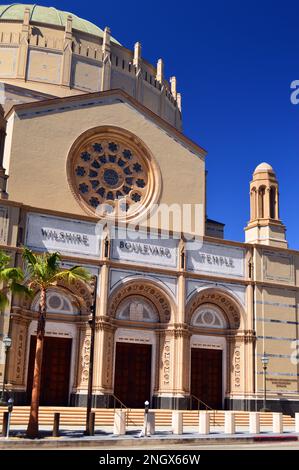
[265, 361]
[92, 324]
[7, 344]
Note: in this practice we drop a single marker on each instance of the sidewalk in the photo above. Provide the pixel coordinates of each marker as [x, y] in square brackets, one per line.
[104, 437]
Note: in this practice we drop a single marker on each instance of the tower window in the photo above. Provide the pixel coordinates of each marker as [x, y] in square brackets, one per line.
[272, 202]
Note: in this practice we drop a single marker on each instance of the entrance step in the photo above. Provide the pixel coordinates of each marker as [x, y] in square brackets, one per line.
[75, 416]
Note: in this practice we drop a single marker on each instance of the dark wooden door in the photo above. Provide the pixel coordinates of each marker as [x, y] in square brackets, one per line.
[206, 376]
[132, 379]
[55, 377]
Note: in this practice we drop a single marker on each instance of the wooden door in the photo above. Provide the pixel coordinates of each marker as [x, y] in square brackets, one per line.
[132, 379]
[55, 376]
[206, 376]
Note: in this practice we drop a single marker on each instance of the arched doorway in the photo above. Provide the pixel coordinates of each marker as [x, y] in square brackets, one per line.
[135, 351]
[214, 317]
[58, 352]
[208, 357]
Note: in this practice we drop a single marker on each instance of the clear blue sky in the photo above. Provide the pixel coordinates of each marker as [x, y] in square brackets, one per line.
[234, 62]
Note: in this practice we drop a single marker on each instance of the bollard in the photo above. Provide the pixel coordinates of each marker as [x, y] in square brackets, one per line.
[296, 422]
[204, 422]
[55, 432]
[229, 424]
[177, 422]
[150, 424]
[277, 423]
[5, 423]
[119, 422]
[254, 423]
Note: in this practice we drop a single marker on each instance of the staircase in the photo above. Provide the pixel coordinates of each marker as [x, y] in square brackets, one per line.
[75, 416]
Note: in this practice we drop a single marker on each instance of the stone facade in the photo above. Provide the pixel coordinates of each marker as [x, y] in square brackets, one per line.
[190, 304]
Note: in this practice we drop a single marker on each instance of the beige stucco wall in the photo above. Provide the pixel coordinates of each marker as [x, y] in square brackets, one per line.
[39, 145]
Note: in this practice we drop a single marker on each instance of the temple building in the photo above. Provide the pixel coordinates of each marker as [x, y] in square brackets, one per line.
[91, 148]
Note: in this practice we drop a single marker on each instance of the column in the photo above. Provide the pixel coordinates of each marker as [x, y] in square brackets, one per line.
[104, 338]
[160, 71]
[66, 67]
[106, 58]
[17, 357]
[267, 203]
[23, 46]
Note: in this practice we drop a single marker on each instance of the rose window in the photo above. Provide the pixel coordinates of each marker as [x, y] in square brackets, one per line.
[111, 175]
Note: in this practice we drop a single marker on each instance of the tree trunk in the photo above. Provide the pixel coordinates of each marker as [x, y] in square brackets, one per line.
[32, 429]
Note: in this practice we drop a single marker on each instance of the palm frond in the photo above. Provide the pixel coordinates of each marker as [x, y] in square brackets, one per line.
[29, 258]
[4, 260]
[53, 261]
[11, 274]
[20, 289]
[73, 274]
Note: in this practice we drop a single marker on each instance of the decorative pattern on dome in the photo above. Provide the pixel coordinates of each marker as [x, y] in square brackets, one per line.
[110, 175]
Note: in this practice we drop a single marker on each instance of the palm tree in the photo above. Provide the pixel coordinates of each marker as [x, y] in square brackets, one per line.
[11, 279]
[44, 271]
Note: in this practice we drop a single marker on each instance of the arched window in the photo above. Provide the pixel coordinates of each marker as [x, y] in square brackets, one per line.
[272, 202]
[57, 302]
[253, 204]
[137, 309]
[261, 203]
[208, 316]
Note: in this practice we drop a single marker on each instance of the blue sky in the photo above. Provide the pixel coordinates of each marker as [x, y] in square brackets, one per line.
[234, 62]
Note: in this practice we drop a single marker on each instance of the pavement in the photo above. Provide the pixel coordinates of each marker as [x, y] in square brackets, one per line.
[74, 438]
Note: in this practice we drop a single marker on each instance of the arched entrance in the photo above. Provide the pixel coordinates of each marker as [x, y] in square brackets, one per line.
[214, 319]
[138, 310]
[134, 350]
[58, 352]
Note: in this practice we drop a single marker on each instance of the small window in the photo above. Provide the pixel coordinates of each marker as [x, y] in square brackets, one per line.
[208, 317]
[57, 302]
[137, 309]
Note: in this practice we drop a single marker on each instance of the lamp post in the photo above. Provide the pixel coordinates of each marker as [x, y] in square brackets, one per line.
[92, 324]
[265, 361]
[7, 344]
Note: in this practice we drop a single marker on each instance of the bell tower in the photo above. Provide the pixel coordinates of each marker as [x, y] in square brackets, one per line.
[264, 226]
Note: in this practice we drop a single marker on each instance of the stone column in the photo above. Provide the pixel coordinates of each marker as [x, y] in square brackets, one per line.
[104, 339]
[66, 67]
[17, 357]
[160, 71]
[106, 58]
[267, 204]
[3, 176]
[23, 46]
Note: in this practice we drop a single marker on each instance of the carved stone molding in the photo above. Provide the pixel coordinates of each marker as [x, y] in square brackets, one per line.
[76, 288]
[147, 290]
[227, 304]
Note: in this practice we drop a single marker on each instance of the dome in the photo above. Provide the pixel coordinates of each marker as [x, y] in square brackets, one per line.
[262, 167]
[49, 16]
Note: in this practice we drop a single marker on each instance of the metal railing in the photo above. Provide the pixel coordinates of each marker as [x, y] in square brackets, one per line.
[123, 406]
[206, 407]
